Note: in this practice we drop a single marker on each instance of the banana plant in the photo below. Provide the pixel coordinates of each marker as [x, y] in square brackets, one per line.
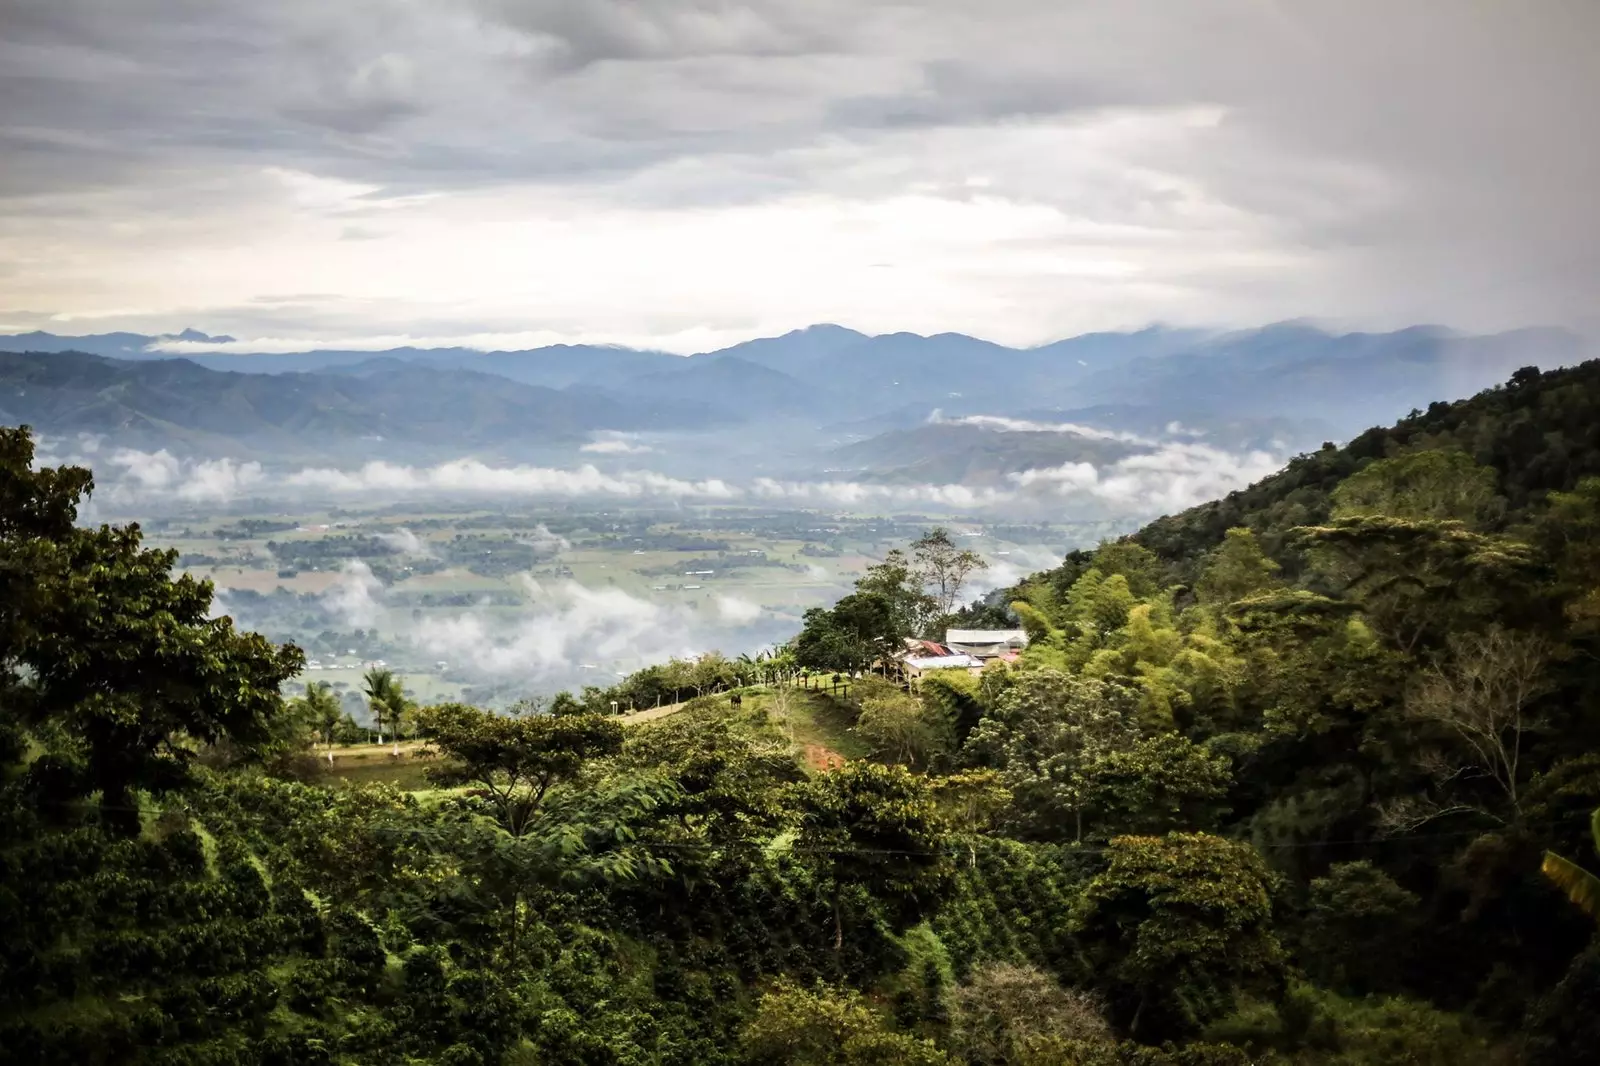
[1581, 886]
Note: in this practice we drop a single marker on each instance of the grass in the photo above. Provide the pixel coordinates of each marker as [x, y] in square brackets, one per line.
[812, 720]
[361, 764]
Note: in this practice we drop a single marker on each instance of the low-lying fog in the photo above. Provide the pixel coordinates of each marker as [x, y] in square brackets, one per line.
[549, 631]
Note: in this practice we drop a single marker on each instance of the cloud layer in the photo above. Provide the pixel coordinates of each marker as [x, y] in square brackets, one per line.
[567, 634]
[1023, 169]
[1168, 477]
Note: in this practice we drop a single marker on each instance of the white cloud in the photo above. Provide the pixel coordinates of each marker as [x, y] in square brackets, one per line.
[737, 611]
[1001, 424]
[404, 540]
[161, 473]
[867, 494]
[546, 542]
[1165, 478]
[356, 599]
[1171, 478]
[615, 444]
[474, 476]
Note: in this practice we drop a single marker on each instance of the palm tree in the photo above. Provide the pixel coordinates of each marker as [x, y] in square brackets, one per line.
[1582, 886]
[387, 700]
[323, 711]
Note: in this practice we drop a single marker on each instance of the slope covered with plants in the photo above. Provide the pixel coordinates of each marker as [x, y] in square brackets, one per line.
[1305, 776]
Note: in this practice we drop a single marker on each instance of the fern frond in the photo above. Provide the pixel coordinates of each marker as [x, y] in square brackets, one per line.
[1581, 886]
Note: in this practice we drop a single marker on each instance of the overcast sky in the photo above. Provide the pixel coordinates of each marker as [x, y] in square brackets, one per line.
[687, 173]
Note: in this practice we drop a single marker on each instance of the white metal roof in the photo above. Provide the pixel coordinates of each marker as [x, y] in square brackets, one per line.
[942, 662]
[986, 636]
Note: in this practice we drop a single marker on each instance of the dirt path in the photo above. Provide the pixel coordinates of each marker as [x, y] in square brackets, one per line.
[819, 757]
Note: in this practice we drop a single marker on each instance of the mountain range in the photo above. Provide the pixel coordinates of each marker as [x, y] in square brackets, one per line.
[823, 391]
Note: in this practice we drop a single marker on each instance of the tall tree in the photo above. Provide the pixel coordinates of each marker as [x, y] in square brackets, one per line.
[387, 699]
[1435, 484]
[321, 707]
[874, 830]
[115, 665]
[1177, 926]
[515, 760]
[942, 567]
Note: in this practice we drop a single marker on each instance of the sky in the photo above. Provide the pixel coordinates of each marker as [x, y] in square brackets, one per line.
[685, 174]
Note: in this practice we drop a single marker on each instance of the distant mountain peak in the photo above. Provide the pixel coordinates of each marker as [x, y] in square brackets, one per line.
[189, 333]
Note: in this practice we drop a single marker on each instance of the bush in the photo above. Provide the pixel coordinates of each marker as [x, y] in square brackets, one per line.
[1009, 1014]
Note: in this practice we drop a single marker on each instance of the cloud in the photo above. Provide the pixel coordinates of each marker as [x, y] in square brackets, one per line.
[404, 540]
[737, 611]
[1005, 571]
[1026, 170]
[472, 476]
[1165, 478]
[356, 599]
[161, 473]
[546, 542]
[615, 444]
[1173, 477]
[1001, 424]
[563, 628]
[867, 494]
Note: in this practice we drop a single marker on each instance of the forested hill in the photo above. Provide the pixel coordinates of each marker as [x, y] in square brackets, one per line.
[1317, 797]
[1539, 433]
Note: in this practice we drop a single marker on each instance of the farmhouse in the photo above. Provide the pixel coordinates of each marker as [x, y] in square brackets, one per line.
[916, 666]
[986, 643]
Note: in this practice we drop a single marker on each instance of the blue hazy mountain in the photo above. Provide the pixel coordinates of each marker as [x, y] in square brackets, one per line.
[847, 384]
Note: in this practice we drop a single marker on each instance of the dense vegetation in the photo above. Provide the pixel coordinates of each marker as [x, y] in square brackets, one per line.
[1305, 776]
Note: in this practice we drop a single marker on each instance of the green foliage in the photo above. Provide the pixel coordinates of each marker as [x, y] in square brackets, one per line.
[874, 837]
[515, 761]
[1319, 1028]
[1427, 485]
[1376, 666]
[795, 1026]
[901, 728]
[115, 664]
[1237, 568]
[1178, 926]
[1358, 928]
[1581, 886]
[1011, 1014]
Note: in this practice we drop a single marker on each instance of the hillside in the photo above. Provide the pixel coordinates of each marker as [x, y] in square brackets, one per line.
[1282, 799]
[954, 452]
[1540, 433]
[174, 402]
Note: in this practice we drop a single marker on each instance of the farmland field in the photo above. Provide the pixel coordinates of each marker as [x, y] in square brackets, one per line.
[493, 605]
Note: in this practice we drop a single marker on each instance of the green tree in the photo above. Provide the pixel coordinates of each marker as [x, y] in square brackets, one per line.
[902, 728]
[1177, 926]
[1044, 732]
[113, 664]
[515, 761]
[874, 836]
[1236, 569]
[943, 568]
[1156, 784]
[895, 581]
[1358, 928]
[1437, 484]
[387, 701]
[794, 1026]
[321, 707]
[1420, 580]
